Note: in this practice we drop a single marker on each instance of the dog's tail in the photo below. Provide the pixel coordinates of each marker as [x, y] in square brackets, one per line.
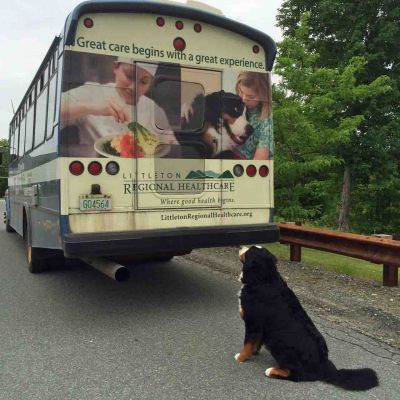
[351, 379]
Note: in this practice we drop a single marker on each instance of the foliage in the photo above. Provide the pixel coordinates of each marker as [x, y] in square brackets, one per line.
[340, 89]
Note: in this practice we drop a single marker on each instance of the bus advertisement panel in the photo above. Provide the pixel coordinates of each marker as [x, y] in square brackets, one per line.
[182, 125]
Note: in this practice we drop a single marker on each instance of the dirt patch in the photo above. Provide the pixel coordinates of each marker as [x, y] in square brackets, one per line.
[362, 305]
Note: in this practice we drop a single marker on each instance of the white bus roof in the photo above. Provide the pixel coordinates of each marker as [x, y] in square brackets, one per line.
[191, 10]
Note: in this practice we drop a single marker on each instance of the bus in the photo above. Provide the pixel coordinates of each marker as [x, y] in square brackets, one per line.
[146, 131]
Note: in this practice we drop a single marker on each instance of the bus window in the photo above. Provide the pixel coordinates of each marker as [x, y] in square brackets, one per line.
[11, 143]
[41, 117]
[30, 119]
[53, 62]
[51, 105]
[14, 143]
[21, 143]
[47, 72]
[42, 82]
[14, 149]
[57, 89]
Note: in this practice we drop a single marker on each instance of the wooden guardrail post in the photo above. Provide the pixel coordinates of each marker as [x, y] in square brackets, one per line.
[390, 271]
[295, 249]
[390, 275]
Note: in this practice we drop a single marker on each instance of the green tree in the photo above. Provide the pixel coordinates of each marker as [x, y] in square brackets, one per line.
[339, 31]
[3, 165]
[314, 129]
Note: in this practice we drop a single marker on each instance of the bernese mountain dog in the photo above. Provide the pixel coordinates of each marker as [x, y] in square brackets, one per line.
[219, 121]
[273, 316]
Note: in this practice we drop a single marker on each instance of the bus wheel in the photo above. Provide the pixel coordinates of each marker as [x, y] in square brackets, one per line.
[56, 261]
[36, 263]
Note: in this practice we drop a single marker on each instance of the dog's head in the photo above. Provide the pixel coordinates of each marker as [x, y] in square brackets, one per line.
[259, 266]
[222, 117]
[227, 113]
[233, 112]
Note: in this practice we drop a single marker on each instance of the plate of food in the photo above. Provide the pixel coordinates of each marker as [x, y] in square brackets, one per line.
[136, 142]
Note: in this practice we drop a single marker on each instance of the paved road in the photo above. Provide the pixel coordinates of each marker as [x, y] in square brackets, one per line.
[169, 333]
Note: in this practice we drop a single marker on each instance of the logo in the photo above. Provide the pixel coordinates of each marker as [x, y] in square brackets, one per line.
[209, 175]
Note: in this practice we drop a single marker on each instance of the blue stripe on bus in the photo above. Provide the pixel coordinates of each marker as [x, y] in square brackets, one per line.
[64, 225]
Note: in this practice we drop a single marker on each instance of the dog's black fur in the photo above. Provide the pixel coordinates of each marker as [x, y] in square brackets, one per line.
[273, 316]
[212, 124]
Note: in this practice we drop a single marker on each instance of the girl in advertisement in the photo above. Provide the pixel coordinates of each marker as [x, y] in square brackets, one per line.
[254, 89]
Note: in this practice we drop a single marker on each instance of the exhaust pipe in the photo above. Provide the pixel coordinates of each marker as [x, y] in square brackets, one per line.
[110, 268]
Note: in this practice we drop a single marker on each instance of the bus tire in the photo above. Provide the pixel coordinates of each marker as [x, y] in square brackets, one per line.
[56, 261]
[36, 263]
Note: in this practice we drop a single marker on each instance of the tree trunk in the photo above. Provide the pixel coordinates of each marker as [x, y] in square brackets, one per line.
[344, 223]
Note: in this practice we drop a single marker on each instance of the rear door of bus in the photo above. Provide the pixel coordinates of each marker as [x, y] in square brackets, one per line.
[179, 174]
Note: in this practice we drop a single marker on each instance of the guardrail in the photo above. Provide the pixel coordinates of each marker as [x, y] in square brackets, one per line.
[370, 248]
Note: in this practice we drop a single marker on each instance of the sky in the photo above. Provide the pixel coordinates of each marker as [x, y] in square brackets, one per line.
[28, 27]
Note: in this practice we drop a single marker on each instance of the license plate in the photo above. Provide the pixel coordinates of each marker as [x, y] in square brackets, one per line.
[95, 202]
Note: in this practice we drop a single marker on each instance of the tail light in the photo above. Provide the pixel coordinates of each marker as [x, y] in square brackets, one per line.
[263, 171]
[76, 168]
[251, 171]
[95, 168]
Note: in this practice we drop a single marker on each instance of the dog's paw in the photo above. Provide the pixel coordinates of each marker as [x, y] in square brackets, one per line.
[238, 358]
[277, 373]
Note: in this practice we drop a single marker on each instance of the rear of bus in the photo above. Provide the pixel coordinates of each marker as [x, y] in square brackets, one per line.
[146, 165]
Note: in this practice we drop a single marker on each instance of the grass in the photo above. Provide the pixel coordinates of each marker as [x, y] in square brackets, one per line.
[332, 262]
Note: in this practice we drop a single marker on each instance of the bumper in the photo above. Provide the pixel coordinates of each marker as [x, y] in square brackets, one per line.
[165, 241]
